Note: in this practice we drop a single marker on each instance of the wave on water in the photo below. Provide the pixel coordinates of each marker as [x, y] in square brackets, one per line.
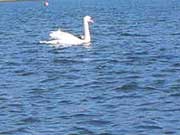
[56, 43]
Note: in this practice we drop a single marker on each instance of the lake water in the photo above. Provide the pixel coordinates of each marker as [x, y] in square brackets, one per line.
[127, 82]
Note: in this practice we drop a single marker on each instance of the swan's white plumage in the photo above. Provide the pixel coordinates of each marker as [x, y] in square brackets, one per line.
[61, 37]
[65, 38]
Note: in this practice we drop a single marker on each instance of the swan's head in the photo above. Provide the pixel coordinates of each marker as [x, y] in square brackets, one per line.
[88, 19]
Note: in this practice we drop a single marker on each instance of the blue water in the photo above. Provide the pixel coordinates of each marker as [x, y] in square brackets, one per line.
[127, 82]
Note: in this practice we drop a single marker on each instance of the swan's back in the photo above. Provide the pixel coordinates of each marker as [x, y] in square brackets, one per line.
[65, 37]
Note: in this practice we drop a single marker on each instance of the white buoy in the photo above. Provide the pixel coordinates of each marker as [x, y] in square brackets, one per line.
[46, 3]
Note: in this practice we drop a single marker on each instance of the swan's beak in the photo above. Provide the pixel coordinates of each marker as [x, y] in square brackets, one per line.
[91, 21]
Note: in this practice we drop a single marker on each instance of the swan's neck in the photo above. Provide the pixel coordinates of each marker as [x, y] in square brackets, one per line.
[87, 37]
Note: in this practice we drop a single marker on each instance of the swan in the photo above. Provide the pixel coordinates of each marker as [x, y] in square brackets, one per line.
[65, 38]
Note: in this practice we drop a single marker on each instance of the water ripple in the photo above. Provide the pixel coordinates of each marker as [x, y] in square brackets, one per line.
[125, 82]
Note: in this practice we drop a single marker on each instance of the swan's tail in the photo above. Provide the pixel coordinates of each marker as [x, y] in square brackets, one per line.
[49, 42]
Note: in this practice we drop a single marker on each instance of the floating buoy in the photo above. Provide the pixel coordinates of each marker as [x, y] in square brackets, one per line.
[46, 3]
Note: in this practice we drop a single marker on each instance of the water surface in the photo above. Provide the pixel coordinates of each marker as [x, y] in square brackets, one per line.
[127, 82]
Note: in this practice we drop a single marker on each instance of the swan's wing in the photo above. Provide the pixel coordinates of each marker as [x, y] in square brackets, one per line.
[60, 35]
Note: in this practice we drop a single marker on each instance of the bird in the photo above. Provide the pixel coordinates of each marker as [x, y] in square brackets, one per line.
[66, 38]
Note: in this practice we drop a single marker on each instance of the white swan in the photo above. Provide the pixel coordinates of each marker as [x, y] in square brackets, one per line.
[65, 38]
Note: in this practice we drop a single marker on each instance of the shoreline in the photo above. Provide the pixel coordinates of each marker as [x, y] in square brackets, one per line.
[16, 0]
